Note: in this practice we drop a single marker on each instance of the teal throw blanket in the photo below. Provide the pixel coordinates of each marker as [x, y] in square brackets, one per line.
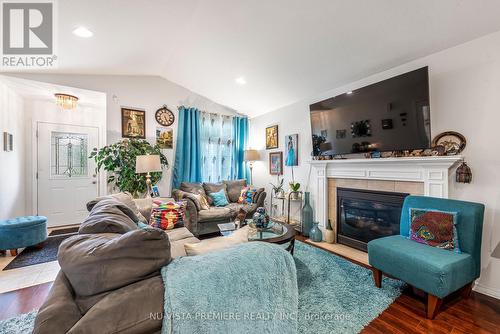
[250, 288]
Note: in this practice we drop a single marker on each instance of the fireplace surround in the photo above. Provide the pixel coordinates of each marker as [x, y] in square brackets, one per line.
[364, 215]
[434, 175]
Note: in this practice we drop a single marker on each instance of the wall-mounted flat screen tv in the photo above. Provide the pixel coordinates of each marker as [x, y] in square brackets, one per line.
[391, 115]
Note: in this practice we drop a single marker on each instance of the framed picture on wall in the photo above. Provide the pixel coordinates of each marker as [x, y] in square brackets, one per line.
[271, 137]
[133, 123]
[165, 137]
[292, 150]
[276, 163]
[8, 142]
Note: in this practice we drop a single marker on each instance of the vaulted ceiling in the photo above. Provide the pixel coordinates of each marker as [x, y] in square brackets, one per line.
[285, 49]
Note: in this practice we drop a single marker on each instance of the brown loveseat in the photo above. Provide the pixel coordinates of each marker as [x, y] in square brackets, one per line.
[204, 221]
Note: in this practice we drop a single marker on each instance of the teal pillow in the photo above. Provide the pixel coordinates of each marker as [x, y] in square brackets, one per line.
[219, 198]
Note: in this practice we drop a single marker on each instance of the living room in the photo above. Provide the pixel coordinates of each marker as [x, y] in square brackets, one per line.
[289, 150]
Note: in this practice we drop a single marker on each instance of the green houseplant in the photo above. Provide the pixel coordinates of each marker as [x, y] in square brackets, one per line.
[118, 160]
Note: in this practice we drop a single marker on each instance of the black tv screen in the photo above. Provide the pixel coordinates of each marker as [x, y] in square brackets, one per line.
[390, 115]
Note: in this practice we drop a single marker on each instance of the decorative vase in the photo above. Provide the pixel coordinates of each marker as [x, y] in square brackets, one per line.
[329, 234]
[307, 215]
[315, 234]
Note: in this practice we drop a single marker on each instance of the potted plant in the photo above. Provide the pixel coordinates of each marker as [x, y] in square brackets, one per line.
[294, 188]
[278, 188]
[118, 160]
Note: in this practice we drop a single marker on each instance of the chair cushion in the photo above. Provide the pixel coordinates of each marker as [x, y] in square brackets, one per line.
[434, 270]
[234, 188]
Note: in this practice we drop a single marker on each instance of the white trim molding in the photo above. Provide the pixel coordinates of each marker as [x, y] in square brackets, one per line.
[434, 172]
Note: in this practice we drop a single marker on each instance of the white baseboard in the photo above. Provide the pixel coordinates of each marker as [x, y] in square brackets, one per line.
[485, 290]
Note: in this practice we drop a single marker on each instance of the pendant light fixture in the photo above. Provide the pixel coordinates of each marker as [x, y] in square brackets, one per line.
[66, 101]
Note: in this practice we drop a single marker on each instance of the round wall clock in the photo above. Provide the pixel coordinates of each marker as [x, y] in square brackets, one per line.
[164, 116]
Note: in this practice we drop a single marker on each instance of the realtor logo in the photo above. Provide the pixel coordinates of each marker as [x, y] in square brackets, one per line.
[28, 34]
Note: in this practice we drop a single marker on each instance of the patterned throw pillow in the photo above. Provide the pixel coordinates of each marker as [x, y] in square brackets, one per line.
[434, 228]
[167, 215]
[247, 195]
[219, 198]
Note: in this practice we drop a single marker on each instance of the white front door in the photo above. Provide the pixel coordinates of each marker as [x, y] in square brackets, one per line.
[66, 178]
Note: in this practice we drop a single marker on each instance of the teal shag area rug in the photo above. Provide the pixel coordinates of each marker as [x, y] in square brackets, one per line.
[335, 295]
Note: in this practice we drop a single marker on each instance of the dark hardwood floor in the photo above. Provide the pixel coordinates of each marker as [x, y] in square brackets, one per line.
[477, 314]
[23, 300]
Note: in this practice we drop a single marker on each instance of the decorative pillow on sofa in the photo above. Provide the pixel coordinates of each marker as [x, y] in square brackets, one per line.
[434, 228]
[213, 188]
[167, 215]
[219, 198]
[247, 195]
[109, 216]
[199, 200]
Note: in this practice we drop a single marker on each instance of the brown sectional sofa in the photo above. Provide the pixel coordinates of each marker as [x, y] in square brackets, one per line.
[204, 221]
[110, 278]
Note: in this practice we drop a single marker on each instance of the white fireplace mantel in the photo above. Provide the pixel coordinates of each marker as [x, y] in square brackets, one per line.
[434, 172]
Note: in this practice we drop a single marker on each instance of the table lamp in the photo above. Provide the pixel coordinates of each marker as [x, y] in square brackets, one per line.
[251, 156]
[147, 164]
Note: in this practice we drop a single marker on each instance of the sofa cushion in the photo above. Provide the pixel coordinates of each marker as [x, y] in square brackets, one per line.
[233, 188]
[434, 270]
[123, 197]
[213, 188]
[95, 263]
[210, 245]
[214, 213]
[109, 216]
[131, 309]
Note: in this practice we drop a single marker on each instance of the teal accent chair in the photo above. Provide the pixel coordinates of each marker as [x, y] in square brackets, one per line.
[436, 271]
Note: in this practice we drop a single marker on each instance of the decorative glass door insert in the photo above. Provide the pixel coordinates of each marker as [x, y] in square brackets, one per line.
[69, 154]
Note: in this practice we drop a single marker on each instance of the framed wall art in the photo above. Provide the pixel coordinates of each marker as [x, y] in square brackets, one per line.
[276, 163]
[165, 137]
[271, 137]
[292, 150]
[133, 123]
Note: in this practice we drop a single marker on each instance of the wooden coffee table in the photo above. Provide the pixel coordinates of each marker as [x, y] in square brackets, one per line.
[287, 235]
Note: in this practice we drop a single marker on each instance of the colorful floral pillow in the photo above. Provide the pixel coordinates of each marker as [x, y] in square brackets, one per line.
[434, 228]
[167, 215]
[247, 195]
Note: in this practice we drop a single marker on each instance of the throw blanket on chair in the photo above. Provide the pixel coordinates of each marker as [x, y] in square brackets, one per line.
[250, 288]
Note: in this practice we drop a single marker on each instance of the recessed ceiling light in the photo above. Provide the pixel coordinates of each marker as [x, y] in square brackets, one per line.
[241, 81]
[349, 92]
[83, 32]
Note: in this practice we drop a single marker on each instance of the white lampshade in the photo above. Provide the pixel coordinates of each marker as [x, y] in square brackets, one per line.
[252, 155]
[147, 164]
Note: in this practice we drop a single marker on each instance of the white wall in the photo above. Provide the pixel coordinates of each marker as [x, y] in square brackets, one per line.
[12, 164]
[465, 97]
[144, 92]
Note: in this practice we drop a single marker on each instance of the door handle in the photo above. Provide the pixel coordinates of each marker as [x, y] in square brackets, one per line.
[94, 182]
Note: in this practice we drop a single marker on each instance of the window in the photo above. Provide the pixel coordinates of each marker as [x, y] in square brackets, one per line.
[217, 147]
[69, 154]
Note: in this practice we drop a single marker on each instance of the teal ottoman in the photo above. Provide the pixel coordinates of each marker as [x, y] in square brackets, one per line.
[22, 232]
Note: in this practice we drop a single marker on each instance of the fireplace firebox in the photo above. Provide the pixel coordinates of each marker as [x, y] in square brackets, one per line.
[364, 215]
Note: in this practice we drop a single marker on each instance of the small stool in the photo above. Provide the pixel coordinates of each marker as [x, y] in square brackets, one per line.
[22, 232]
